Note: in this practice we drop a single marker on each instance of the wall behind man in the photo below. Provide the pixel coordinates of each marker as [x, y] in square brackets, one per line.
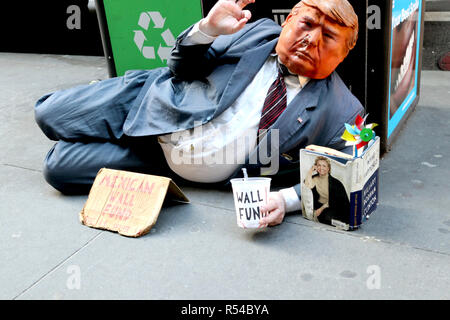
[56, 27]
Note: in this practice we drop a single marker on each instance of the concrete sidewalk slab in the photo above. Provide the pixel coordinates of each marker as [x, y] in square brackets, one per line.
[414, 206]
[196, 251]
[39, 229]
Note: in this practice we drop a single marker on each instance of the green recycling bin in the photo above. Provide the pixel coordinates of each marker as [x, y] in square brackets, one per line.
[140, 34]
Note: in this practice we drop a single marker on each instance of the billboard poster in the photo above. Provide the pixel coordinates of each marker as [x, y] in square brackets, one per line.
[404, 59]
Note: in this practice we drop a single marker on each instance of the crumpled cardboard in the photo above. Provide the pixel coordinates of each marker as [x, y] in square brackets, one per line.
[127, 202]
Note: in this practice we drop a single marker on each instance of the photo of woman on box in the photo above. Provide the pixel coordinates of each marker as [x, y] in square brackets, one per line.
[330, 198]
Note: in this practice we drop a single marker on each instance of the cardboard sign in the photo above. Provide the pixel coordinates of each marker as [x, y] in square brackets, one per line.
[127, 202]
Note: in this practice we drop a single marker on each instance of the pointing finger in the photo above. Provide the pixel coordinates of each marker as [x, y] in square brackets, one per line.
[269, 206]
[243, 3]
[272, 219]
[262, 224]
[241, 23]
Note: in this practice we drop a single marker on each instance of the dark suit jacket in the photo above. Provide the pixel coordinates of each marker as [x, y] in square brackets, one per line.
[203, 80]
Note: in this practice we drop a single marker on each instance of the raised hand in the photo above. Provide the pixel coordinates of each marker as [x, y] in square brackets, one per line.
[226, 17]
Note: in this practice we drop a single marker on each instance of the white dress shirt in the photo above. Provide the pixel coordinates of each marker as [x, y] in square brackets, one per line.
[212, 152]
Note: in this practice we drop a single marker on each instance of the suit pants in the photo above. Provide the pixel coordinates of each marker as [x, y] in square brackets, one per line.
[87, 123]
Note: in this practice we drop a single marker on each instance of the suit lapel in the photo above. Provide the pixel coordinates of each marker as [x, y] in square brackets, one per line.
[247, 67]
[298, 112]
[291, 121]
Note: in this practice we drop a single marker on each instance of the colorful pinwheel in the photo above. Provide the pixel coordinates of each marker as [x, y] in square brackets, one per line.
[359, 135]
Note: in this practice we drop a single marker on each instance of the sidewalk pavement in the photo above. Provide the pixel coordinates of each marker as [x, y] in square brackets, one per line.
[196, 251]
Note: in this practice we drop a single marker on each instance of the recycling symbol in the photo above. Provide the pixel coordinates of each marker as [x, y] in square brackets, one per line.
[140, 39]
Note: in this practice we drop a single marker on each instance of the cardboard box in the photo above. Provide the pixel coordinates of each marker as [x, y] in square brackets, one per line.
[352, 186]
[126, 202]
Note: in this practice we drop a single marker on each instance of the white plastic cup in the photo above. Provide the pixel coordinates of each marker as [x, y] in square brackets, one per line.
[249, 195]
